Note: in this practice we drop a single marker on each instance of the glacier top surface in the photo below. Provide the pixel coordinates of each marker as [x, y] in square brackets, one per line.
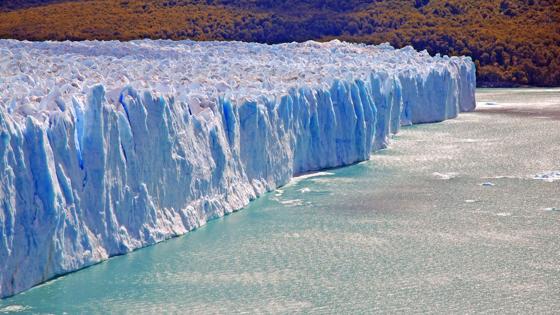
[39, 77]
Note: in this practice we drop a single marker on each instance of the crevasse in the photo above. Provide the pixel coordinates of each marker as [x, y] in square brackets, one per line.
[99, 176]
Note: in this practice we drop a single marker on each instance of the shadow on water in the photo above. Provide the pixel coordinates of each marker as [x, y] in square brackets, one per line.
[552, 112]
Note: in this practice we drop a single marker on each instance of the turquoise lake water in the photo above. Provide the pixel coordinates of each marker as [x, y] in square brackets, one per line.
[457, 217]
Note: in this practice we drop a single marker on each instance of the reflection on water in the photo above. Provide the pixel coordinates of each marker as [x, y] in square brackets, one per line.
[414, 229]
[544, 103]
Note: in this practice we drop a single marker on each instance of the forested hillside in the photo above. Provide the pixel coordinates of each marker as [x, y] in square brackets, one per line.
[512, 42]
[6, 5]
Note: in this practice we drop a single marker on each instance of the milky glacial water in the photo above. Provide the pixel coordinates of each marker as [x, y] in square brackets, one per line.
[457, 217]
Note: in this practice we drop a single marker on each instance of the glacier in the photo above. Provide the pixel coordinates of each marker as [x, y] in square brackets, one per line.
[107, 147]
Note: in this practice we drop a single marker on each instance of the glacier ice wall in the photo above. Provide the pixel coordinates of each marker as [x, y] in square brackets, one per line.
[98, 161]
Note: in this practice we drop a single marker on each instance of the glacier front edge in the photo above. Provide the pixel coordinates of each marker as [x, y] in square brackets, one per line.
[101, 167]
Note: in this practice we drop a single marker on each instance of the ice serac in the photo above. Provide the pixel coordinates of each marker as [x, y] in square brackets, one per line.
[106, 147]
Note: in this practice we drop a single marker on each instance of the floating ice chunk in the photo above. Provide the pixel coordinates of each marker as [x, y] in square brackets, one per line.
[445, 176]
[469, 140]
[504, 177]
[14, 308]
[550, 176]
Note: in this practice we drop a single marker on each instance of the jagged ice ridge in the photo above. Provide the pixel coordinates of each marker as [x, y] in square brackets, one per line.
[106, 147]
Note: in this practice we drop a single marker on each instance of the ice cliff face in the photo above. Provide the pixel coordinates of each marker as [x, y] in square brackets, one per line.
[106, 147]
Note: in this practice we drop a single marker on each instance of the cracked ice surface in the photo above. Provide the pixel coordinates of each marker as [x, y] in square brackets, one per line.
[111, 146]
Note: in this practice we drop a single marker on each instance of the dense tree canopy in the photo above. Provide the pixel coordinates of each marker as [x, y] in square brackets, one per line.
[513, 42]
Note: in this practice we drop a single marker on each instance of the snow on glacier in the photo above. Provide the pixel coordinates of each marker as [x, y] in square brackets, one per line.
[107, 147]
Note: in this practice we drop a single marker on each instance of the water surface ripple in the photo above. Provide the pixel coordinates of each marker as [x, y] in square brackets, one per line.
[451, 219]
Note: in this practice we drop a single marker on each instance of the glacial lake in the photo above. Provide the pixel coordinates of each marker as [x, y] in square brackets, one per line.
[456, 217]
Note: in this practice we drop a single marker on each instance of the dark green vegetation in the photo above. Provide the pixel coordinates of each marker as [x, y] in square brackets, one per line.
[512, 42]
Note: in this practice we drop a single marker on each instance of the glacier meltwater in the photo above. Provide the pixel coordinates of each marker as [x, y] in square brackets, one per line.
[106, 147]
